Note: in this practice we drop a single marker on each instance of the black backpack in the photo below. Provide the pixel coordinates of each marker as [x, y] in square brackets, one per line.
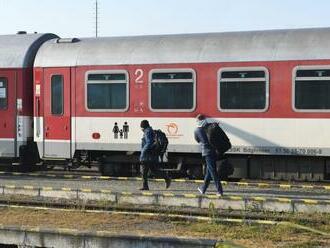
[217, 138]
[160, 143]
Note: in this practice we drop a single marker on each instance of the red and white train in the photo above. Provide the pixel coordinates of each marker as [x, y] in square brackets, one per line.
[270, 90]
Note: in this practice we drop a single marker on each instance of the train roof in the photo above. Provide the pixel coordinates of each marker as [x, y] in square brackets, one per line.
[271, 45]
[18, 51]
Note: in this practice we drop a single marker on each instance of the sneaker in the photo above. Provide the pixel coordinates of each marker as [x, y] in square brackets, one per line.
[200, 190]
[168, 182]
[144, 188]
[220, 194]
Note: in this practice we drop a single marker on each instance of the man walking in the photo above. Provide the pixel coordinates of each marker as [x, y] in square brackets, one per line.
[209, 155]
[148, 158]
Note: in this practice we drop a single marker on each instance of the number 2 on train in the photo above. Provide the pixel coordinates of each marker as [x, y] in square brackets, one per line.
[139, 75]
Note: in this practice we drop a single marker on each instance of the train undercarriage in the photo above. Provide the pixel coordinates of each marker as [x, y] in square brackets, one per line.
[263, 167]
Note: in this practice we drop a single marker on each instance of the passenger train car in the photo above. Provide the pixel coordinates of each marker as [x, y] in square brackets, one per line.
[268, 89]
[17, 53]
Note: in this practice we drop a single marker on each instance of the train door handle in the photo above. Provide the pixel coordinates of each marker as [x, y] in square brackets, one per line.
[65, 127]
[47, 128]
[46, 134]
[4, 124]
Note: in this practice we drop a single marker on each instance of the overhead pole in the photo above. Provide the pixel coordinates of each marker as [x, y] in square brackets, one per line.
[96, 18]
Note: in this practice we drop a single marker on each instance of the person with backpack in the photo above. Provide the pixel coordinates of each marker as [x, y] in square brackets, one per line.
[149, 156]
[209, 154]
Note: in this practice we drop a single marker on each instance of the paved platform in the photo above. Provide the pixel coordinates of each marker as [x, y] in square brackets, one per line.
[158, 187]
[170, 199]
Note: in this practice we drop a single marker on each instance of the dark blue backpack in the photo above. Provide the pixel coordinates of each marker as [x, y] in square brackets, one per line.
[160, 143]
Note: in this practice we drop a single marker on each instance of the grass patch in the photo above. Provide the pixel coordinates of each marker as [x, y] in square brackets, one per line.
[245, 234]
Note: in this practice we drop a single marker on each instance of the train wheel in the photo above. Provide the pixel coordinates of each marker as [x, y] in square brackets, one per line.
[225, 169]
[195, 172]
[110, 169]
[26, 160]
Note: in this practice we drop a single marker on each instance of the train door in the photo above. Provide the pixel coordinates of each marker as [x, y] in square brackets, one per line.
[7, 114]
[57, 113]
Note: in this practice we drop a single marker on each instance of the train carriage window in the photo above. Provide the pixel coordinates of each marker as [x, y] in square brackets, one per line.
[57, 94]
[3, 93]
[172, 90]
[243, 89]
[107, 91]
[312, 89]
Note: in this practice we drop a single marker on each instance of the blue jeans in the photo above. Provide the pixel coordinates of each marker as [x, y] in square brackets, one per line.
[211, 173]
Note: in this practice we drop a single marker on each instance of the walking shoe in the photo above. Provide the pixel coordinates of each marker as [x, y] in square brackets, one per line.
[220, 194]
[200, 190]
[168, 182]
[144, 188]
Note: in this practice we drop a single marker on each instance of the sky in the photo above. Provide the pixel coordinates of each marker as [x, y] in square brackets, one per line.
[76, 18]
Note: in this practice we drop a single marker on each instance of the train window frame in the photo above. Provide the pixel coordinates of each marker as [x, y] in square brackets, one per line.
[51, 94]
[174, 70]
[294, 73]
[249, 68]
[87, 73]
[5, 80]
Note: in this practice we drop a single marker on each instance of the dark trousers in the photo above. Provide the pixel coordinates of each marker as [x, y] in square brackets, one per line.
[211, 173]
[153, 167]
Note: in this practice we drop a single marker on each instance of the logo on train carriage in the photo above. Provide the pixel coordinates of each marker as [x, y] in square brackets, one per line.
[172, 130]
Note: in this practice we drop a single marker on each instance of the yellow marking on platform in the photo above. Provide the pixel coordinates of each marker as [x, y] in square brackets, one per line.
[198, 181]
[168, 194]
[68, 176]
[33, 229]
[28, 187]
[307, 186]
[235, 198]
[10, 186]
[180, 180]
[104, 177]
[263, 185]
[234, 220]
[159, 180]
[268, 222]
[2, 172]
[212, 196]
[126, 193]
[286, 186]
[309, 201]
[327, 187]
[242, 184]
[224, 182]
[86, 190]
[66, 230]
[190, 195]
[47, 188]
[17, 173]
[34, 174]
[283, 199]
[66, 189]
[259, 198]
[147, 194]
[122, 178]
[105, 191]
[50, 175]
[86, 177]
